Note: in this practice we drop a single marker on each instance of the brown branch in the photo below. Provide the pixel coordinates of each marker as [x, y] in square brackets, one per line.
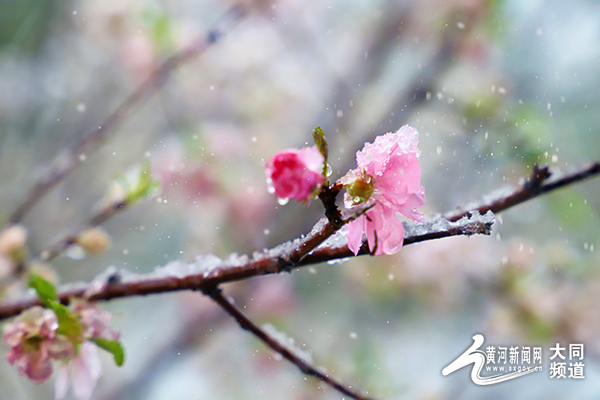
[540, 182]
[58, 247]
[280, 259]
[202, 277]
[274, 344]
[55, 249]
[341, 252]
[65, 162]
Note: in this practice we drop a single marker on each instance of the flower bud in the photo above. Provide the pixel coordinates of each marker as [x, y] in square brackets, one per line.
[295, 174]
[94, 241]
[12, 243]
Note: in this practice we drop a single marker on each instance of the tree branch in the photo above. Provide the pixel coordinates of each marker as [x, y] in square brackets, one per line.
[274, 344]
[541, 182]
[65, 162]
[55, 249]
[204, 274]
[208, 272]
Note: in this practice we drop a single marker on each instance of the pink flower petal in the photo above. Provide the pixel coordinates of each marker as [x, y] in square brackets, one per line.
[85, 371]
[392, 163]
[34, 364]
[293, 173]
[61, 382]
[354, 233]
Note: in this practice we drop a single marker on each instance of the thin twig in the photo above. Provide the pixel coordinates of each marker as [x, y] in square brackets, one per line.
[92, 141]
[55, 249]
[293, 255]
[58, 247]
[271, 342]
[541, 181]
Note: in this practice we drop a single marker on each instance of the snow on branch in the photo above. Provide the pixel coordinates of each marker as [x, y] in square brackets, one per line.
[210, 271]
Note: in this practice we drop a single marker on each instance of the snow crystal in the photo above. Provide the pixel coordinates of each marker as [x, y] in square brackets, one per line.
[235, 260]
[338, 239]
[176, 269]
[319, 226]
[338, 260]
[204, 265]
[284, 249]
[208, 262]
[436, 224]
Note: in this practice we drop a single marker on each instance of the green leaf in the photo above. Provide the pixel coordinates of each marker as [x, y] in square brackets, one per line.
[143, 186]
[68, 324]
[113, 347]
[44, 289]
[321, 142]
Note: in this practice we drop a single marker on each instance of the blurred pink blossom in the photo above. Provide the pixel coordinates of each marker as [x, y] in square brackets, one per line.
[94, 320]
[84, 370]
[294, 174]
[34, 343]
[388, 177]
[186, 179]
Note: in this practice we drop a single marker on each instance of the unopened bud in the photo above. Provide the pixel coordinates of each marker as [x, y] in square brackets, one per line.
[94, 241]
[12, 243]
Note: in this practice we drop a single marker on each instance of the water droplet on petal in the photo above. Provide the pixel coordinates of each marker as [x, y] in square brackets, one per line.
[283, 202]
[329, 170]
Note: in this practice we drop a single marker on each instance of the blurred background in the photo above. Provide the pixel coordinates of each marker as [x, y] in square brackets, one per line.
[492, 86]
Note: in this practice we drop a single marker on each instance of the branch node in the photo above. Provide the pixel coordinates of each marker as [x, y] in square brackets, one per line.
[286, 264]
[328, 196]
[537, 178]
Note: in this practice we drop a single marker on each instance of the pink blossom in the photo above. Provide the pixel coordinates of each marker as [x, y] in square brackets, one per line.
[83, 370]
[94, 320]
[295, 174]
[389, 178]
[34, 343]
